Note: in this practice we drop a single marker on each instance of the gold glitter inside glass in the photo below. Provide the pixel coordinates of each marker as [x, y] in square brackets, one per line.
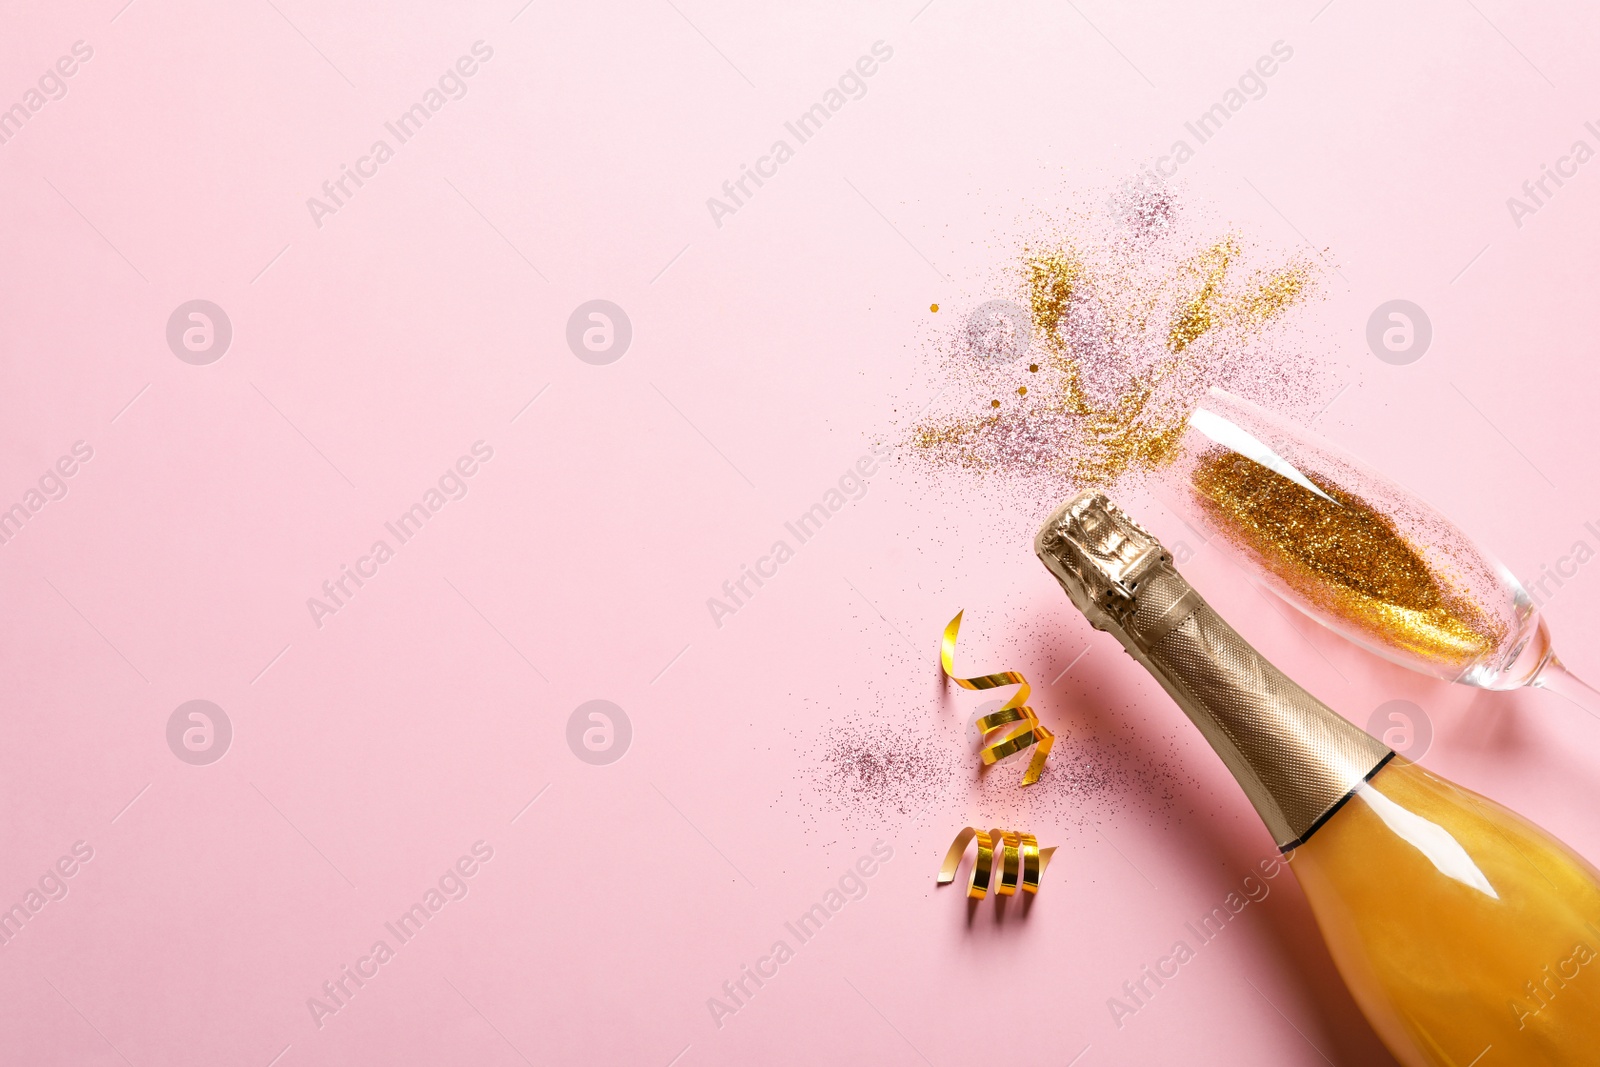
[1346, 558]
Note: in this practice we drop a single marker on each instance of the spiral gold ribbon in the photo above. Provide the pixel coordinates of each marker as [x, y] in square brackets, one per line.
[1013, 847]
[1011, 729]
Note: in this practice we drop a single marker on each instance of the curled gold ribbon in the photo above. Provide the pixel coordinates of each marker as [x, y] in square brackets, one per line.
[1011, 729]
[1012, 847]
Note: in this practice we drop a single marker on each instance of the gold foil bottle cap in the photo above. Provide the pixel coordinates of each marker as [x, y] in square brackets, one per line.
[1297, 760]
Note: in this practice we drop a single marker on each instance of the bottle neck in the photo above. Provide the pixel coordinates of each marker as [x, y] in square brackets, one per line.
[1296, 759]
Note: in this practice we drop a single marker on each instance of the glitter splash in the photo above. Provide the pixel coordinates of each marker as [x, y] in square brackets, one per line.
[881, 771]
[859, 776]
[1127, 318]
[1344, 557]
[1199, 313]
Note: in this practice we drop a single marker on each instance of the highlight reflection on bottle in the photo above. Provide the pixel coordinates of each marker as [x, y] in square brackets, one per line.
[1461, 928]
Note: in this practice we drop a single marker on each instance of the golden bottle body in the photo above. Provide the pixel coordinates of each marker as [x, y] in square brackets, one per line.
[1467, 935]
[1462, 929]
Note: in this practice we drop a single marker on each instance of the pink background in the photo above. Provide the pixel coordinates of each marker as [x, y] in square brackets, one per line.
[369, 754]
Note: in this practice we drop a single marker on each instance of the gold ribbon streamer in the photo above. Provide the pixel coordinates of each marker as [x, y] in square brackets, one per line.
[1011, 729]
[1012, 847]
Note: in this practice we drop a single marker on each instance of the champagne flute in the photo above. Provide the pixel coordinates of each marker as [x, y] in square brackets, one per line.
[1358, 553]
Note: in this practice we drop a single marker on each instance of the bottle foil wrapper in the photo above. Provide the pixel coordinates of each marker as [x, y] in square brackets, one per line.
[1297, 760]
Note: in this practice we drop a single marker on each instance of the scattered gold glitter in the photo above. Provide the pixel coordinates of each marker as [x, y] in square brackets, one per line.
[1051, 277]
[1125, 330]
[1126, 436]
[1345, 557]
[952, 435]
[933, 308]
[1277, 291]
[1200, 312]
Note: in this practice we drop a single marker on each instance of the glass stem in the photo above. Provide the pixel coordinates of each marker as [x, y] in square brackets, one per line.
[1555, 677]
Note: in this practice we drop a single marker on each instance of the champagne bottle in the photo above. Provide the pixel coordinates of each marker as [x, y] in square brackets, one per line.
[1466, 934]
